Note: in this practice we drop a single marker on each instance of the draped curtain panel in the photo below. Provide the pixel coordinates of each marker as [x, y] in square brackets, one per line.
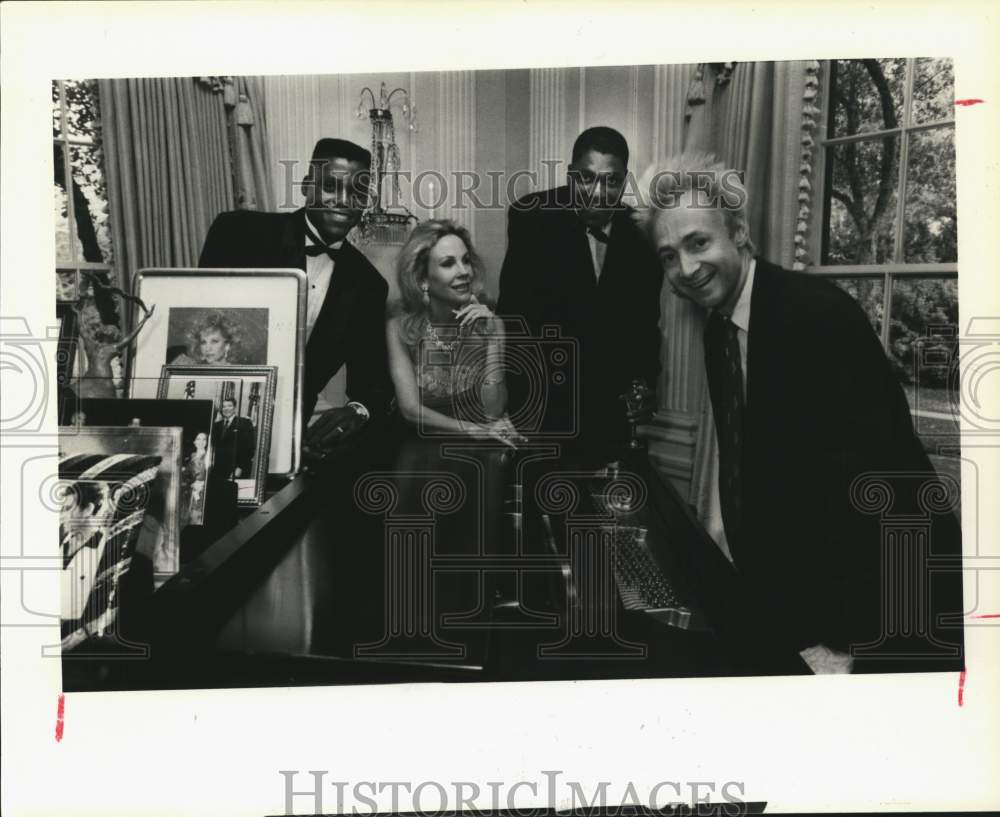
[251, 154]
[178, 153]
[750, 118]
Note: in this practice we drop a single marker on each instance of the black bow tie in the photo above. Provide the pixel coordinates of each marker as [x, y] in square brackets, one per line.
[317, 247]
[315, 250]
[599, 234]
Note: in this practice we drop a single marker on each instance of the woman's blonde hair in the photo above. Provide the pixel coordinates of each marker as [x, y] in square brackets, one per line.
[411, 272]
[213, 322]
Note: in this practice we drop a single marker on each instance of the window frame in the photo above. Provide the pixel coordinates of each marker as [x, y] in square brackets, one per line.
[65, 142]
[897, 269]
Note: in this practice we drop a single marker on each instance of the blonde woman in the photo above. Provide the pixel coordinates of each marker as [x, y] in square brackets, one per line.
[445, 344]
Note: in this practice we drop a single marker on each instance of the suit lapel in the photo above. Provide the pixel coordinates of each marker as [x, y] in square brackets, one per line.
[762, 349]
[614, 265]
[581, 262]
[291, 244]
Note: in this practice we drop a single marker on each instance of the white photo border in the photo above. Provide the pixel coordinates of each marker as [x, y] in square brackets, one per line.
[146, 360]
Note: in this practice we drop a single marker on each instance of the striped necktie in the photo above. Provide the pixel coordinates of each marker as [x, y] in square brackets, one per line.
[725, 383]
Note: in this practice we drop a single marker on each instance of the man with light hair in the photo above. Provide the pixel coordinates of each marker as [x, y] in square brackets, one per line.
[804, 403]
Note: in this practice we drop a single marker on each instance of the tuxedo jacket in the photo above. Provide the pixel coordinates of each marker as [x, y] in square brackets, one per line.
[823, 409]
[234, 446]
[548, 279]
[350, 328]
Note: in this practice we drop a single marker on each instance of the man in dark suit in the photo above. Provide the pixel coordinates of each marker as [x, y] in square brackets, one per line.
[806, 408]
[234, 441]
[576, 261]
[346, 296]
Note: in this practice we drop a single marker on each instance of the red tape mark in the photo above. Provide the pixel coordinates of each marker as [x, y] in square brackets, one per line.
[987, 615]
[961, 687]
[59, 717]
[968, 102]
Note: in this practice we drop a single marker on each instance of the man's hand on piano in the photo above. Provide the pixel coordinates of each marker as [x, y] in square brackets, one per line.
[824, 661]
[332, 427]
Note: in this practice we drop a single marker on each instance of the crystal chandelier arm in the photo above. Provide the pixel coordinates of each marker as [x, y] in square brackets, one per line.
[396, 91]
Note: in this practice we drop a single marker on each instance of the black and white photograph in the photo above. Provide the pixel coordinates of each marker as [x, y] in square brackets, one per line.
[105, 450]
[609, 469]
[227, 316]
[242, 399]
[216, 337]
[195, 418]
[101, 519]
[585, 389]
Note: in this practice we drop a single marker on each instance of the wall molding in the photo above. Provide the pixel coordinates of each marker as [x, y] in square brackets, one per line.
[547, 121]
[456, 138]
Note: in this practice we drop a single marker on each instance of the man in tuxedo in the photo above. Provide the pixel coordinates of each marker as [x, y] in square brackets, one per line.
[345, 323]
[576, 261]
[234, 441]
[806, 406]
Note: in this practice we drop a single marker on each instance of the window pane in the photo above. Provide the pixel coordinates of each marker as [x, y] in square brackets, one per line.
[64, 232]
[866, 95]
[922, 338]
[90, 203]
[933, 90]
[920, 306]
[83, 115]
[56, 116]
[67, 285]
[861, 187]
[869, 292]
[931, 226]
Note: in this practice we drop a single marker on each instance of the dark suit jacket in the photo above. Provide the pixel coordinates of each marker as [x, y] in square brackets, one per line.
[823, 408]
[548, 279]
[351, 324]
[233, 447]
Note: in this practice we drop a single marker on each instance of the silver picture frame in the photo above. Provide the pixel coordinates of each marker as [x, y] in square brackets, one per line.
[280, 293]
[159, 537]
[252, 390]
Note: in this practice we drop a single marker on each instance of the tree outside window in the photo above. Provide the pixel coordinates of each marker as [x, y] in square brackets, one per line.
[888, 223]
[82, 229]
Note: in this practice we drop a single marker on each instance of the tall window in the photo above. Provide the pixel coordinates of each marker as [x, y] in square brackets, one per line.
[888, 227]
[83, 235]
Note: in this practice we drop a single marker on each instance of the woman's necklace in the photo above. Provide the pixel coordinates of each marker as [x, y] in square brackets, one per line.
[433, 337]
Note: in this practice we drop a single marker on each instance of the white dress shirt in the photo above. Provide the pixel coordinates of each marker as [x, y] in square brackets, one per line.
[319, 271]
[741, 318]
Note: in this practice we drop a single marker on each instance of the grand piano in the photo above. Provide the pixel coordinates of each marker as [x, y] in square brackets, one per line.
[579, 573]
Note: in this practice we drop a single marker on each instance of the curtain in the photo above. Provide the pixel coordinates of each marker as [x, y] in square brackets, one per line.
[749, 115]
[251, 148]
[179, 151]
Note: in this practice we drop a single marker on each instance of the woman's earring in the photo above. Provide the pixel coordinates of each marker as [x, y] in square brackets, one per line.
[427, 297]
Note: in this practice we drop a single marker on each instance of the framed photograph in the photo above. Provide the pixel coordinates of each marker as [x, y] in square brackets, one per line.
[102, 506]
[217, 337]
[193, 417]
[244, 400]
[228, 317]
[109, 454]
